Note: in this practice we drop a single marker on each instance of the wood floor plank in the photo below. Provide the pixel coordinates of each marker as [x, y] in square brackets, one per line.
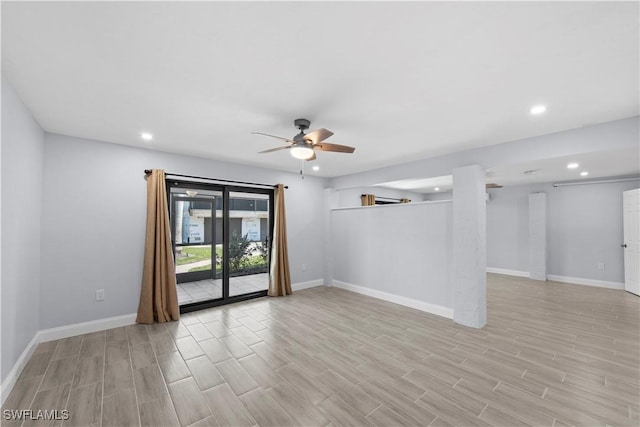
[162, 344]
[52, 399]
[384, 416]
[120, 410]
[149, 383]
[341, 414]
[85, 405]
[228, 409]
[188, 401]
[199, 332]
[217, 329]
[60, 372]
[551, 354]
[215, 350]
[499, 418]
[299, 408]
[265, 410]
[89, 370]
[21, 397]
[36, 366]
[117, 350]
[354, 395]
[118, 377]
[236, 347]
[204, 372]
[188, 347]
[136, 334]
[173, 367]
[158, 412]
[93, 346]
[68, 347]
[236, 376]
[262, 373]
[304, 383]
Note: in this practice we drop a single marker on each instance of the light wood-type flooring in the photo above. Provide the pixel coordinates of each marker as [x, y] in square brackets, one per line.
[551, 354]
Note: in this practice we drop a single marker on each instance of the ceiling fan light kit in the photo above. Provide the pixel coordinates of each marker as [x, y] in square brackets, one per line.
[302, 152]
[303, 146]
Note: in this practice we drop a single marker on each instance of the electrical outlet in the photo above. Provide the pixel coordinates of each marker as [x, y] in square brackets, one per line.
[601, 266]
[304, 267]
[100, 295]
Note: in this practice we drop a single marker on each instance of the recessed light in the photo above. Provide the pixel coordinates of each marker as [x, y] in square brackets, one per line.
[146, 136]
[584, 173]
[316, 168]
[573, 165]
[538, 109]
[437, 188]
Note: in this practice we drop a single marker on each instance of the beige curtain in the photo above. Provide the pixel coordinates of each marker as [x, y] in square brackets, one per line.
[405, 201]
[368, 199]
[280, 277]
[158, 295]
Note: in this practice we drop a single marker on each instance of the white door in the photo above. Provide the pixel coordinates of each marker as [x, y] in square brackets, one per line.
[631, 209]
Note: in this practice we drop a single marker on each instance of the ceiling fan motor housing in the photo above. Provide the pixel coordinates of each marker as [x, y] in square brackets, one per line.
[302, 124]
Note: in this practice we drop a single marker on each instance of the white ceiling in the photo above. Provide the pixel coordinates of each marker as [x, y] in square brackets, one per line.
[399, 81]
[598, 165]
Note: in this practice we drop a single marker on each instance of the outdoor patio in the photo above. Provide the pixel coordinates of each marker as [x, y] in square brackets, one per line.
[203, 290]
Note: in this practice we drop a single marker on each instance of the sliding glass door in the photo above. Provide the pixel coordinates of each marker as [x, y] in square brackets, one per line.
[248, 243]
[221, 242]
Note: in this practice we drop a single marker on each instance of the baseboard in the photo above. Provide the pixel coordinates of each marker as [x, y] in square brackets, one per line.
[56, 334]
[305, 285]
[562, 279]
[507, 272]
[586, 282]
[14, 373]
[397, 299]
[86, 327]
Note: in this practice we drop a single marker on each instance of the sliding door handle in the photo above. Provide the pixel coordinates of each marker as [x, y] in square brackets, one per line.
[624, 245]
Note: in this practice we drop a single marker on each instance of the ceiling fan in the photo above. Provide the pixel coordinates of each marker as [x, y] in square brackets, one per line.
[303, 145]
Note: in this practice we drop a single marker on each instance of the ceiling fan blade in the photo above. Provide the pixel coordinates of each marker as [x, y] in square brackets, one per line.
[318, 135]
[337, 148]
[312, 157]
[493, 185]
[272, 136]
[275, 149]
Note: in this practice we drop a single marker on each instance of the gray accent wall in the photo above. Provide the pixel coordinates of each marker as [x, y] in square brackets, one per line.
[21, 178]
[93, 223]
[584, 228]
[404, 250]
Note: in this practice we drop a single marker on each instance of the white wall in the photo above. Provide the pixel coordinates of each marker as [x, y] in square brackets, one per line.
[584, 228]
[22, 154]
[404, 250]
[93, 223]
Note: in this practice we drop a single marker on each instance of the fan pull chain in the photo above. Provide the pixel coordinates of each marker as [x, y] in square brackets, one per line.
[302, 169]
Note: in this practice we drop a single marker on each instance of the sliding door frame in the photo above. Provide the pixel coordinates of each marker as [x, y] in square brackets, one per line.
[226, 190]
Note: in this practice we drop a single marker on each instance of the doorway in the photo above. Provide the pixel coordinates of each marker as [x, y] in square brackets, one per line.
[631, 244]
[221, 238]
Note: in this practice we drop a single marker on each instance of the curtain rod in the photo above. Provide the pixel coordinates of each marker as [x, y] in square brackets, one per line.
[597, 181]
[382, 197]
[148, 172]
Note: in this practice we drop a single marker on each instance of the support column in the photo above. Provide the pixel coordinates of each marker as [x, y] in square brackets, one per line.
[330, 202]
[469, 247]
[538, 236]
